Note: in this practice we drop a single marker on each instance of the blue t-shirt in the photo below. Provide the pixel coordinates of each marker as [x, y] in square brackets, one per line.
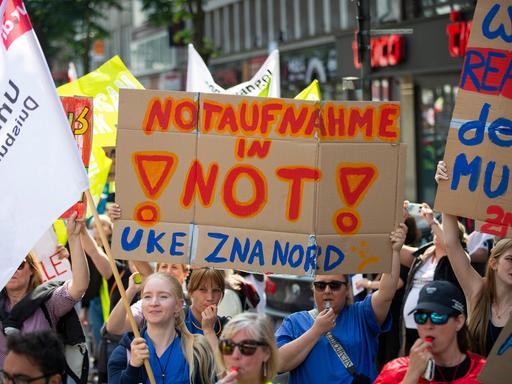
[194, 325]
[172, 362]
[356, 329]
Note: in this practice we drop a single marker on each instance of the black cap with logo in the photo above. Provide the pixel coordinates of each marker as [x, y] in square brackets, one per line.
[442, 297]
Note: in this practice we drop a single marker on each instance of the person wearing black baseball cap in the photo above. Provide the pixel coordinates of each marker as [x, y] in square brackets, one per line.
[441, 318]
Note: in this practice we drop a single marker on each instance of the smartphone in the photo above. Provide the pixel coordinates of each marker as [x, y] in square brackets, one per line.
[414, 209]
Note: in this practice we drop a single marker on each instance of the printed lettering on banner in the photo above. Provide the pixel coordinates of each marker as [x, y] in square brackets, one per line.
[79, 112]
[52, 266]
[41, 172]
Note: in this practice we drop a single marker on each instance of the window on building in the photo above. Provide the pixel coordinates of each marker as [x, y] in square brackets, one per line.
[380, 90]
[435, 99]
[429, 8]
[152, 55]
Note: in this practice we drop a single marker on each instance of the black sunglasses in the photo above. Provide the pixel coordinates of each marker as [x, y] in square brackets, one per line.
[436, 318]
[246, 347]
[333, 285]
[22, 265]
[20, 379]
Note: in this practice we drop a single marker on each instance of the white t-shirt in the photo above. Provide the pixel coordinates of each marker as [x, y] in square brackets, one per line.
[230, 305]
[478, 240]
[423, 276]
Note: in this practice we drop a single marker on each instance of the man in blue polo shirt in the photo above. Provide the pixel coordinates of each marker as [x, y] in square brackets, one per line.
[304, 349]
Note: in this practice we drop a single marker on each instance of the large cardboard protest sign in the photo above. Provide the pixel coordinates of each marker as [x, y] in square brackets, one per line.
[478, 151]
[79, 112]
[497, 369]
[257, 184]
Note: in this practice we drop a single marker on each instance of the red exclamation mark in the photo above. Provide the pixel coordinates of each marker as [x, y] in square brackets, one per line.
[353, 182]
[154, 170]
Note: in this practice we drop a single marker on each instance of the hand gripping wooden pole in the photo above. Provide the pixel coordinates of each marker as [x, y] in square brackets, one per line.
[120, 285]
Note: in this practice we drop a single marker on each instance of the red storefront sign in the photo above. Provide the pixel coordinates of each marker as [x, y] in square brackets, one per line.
[386, 51]
[458, 34]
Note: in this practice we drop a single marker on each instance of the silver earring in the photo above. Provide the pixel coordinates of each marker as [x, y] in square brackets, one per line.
[265, 369]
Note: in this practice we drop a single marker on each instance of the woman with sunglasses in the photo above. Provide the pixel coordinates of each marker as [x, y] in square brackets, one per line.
[427, 264]
[248, 350]
[29, 276]
[490, 297]
[175, 355]
[440, 317]
[304, 347]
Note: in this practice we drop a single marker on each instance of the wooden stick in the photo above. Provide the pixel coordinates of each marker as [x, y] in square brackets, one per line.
[119, 282]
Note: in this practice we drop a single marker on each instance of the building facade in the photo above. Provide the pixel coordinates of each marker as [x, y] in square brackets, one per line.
[316, 40]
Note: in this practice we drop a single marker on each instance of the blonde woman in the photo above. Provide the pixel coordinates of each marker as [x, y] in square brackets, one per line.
[205, 289]
[489, 298]
[248, 351]
[175, 355]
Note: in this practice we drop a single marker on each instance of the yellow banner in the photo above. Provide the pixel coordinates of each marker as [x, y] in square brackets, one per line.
[103, 85]
[60, 231]
[99, 167]
[311, 92]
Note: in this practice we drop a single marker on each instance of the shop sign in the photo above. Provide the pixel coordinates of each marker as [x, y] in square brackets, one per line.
[458, 34]
[386, 51]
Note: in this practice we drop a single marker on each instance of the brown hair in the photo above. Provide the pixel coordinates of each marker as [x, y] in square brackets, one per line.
[194, 347]
[478, 323]
[203, 275]
[463, 338]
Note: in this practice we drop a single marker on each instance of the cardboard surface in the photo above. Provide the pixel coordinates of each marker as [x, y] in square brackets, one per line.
[478, 150]
[257, 184]
[498, 369]
[501, 230]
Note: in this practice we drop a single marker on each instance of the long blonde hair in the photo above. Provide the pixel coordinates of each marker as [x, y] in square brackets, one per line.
[478, 322]
[258, 327]
[195, 347]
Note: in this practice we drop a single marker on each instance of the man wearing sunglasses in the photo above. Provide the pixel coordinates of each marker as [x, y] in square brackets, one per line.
[304, 349]
[35, 358]
[441, 319]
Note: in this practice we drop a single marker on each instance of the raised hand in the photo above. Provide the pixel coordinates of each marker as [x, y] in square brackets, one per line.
[113, 211]
[208, 318]
[397, 237]
[441, 172]
[74, 225]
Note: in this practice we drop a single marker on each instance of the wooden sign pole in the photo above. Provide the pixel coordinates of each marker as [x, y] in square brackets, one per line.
[119, 282]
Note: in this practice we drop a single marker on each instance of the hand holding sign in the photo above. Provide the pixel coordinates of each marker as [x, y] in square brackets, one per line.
[441, 172]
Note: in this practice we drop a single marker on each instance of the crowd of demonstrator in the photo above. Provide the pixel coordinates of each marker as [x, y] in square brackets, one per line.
[433, 318]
